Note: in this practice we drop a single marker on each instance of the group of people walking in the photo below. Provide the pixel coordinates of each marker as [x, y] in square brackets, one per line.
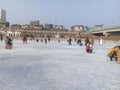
[45, 39]
[79, 41]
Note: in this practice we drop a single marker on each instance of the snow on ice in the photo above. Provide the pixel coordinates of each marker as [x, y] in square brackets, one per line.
[57, 66]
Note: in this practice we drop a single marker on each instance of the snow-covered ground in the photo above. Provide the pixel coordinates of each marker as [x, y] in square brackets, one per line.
[57, 66]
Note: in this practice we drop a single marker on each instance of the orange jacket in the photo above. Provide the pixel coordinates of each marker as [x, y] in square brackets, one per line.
[111, 51]
[117, 50]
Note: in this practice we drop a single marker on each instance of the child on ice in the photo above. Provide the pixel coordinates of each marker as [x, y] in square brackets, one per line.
[89, 48]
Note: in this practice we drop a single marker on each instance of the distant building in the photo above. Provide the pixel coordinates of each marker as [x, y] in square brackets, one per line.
[48, 26]
[2, 18]
[98, 26]
[77, 28]
[25, 27]
[35, 25]
[7, 24]
[16, 26]
[59, 27]
[41, 27]
[2, 25]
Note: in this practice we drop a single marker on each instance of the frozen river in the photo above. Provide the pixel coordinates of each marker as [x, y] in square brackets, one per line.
[57, 66]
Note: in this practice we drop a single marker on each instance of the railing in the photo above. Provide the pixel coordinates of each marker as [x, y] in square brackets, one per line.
[105, 28]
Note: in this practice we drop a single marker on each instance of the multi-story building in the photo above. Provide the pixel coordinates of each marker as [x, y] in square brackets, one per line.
[77, 28]
[98, 27]
[16, 26]
[35, 25]
[2, 18]
[7, 24]
[48, 26]
[25, 27]
[59, 27]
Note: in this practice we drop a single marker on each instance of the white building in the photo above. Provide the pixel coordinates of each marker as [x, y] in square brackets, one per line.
[59, 27]
[2, 16]
[77, 28]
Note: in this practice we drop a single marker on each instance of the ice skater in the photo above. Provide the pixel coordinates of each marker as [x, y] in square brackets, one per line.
[101, 41]
[37, 40]
[48, 38]
[45, 41]
[112, 54]
[8, 43]
[89, 48]
[87, 41]
[69, 41]
[79, 42]
[24, 39]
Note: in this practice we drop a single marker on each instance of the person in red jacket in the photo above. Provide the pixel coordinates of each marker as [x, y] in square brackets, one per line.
[24, 39]
[87, 47]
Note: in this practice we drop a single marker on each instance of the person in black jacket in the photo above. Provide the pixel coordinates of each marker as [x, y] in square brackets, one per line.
[8, 42]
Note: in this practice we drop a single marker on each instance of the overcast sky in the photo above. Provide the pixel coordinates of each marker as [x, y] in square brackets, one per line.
[63, 12]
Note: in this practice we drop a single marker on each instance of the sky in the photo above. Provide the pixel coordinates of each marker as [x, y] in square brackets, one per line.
[63, 12]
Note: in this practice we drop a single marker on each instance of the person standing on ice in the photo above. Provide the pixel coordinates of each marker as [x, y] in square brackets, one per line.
[45, 40]
[79, 42]
[8, 42]
[70, 41]
[37, 40]
[24, 39]
[101, 41]
[87, 47]
[58, 40]
[91, 48]
[75, 39]
[92, 41]
[87, 41]
[41, 40]
[49, 38]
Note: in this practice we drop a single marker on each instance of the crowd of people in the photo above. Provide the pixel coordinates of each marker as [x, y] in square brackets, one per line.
[113, 53]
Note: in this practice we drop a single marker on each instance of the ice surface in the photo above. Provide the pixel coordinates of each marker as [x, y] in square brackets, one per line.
[57, 66]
